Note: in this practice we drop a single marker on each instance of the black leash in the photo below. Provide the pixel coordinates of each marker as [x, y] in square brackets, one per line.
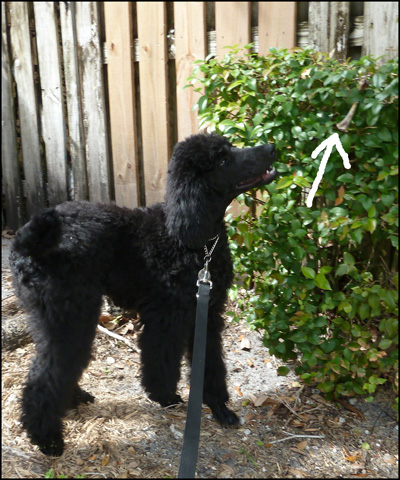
[191, 437]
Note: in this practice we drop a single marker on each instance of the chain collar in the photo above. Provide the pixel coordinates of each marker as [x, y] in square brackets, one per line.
[204, 274]
[207, 258]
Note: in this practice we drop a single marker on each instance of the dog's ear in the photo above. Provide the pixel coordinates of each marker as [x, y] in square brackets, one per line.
[190, 213]
[194, 211]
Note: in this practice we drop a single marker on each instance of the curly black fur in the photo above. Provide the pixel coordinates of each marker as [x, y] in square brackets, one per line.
[147, 259]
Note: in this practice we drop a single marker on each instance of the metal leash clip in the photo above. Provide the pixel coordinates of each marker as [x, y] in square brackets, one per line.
[204, 275]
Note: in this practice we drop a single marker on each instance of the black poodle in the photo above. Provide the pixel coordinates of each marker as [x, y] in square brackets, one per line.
[147, 260]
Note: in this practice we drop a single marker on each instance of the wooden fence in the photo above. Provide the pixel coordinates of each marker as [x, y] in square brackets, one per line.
[93, 99]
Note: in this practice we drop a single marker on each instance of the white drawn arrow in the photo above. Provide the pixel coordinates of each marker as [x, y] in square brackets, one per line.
[328, 144]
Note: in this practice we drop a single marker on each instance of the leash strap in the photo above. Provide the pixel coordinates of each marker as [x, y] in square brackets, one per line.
[187, 467]
[191, 437]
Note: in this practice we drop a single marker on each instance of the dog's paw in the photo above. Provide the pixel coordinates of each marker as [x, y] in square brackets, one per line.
[167, 401]
[52, 449]
[224, 416]
[80, 396]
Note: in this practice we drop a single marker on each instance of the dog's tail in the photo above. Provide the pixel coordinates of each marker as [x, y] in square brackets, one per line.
[40, 235]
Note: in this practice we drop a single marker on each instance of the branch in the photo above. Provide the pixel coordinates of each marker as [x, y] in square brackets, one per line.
[117, 337]
[294, 435]
[344, 124]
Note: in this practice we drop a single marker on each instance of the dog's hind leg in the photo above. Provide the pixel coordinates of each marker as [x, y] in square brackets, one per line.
[162, 347]
[63, 333]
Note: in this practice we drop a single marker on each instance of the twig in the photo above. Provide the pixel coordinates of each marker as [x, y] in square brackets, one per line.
[344, 124]
[299, 435]
[16, 452]
[288, 406]
[294, 435]
[117, 337]
[311, 410]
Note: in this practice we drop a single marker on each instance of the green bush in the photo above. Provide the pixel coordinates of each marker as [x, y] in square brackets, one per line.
[321, 282]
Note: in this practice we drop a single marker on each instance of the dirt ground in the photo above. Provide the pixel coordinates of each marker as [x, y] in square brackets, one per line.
[287, 430]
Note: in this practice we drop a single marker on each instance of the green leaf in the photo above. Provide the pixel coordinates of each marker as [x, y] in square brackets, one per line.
[390, 326]
[308, 272]
[228, 123]
[364, 311]
[374, 301]
[366, 203]
[378, 79]
[284, 182]
[322, 282]
[311, 361]
[326, 387]
[371, 225]
[298, 337]
[252, 84]
[283, 371]
[329, 345]
[301, 182]
[342, 269]
[202, 103]
[387, 199]
[382, 174]
[371, 211]
[385, 343]
[385, 135]
[348, 258]
[325, 270]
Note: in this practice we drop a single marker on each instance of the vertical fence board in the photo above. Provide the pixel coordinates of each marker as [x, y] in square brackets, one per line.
[93, 100]
[339, 23]
[329, 27]
[79, 188]
[151, 20]
[118, 23]
[318, 13]
[381, 29]
[11, 178]
[232, 23]
[27, 105]
[52, 116]
[276, 25]
[190, 45]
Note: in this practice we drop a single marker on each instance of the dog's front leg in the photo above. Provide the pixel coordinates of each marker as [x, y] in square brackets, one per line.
[162, 348]
[215, 392]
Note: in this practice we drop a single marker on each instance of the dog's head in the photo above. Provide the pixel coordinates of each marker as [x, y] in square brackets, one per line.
[205, 174]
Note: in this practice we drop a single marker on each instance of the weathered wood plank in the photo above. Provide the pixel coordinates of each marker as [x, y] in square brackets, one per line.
[93, 100]
[329, 27]
[151, 20]
[27, 106]
[118, 23]
[318, 13]
[232, 23]
[381, 29]
[11, 181]
[190, 45]
[79, 187]
[276, 25]
[52, 116]
[339, 29]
